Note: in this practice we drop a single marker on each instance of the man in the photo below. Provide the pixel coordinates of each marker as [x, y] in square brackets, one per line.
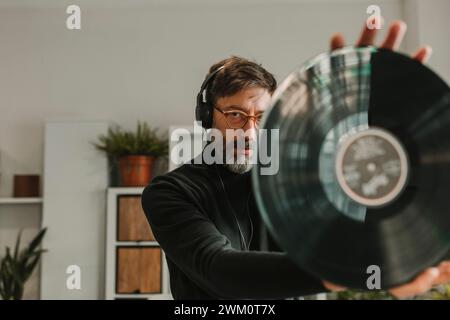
[205, 217]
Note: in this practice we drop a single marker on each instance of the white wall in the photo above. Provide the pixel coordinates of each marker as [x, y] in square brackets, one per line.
[434, 30]
[143, 61]
[146, 59]
[74, 211]
[428, 23]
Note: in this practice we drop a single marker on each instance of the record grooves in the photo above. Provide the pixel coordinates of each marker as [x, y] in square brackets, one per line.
[364, 172]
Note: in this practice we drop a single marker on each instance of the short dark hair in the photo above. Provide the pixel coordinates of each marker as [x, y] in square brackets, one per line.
[238, 74]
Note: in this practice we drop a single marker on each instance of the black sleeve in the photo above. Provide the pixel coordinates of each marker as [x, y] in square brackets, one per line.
[194, 244]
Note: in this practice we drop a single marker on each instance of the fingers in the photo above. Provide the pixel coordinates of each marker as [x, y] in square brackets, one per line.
[423, 54]
[333, 287]
[395, 36]
[367, 36]
[337, 41]
[421, 284]
[392, 41]
[444, 273]
[425, 281]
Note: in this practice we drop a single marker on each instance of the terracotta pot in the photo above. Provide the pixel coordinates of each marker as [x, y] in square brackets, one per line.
[135, 171]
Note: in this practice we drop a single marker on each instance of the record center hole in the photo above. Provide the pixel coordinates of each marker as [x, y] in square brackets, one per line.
[371, 167]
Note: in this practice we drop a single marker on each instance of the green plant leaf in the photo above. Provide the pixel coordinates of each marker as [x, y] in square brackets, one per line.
[18, 291]
[30, 267]
[16, 249]
[37, 240]
[16, 269]
[143, 141]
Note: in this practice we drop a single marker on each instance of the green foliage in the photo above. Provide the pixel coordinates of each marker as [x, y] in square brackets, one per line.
[364, 295]
[441, 293]
[144, 141]
[16, 268]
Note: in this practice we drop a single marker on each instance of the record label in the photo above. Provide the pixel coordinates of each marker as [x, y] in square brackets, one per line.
[372, 167]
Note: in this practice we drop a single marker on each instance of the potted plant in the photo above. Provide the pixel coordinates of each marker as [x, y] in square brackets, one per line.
[16, 268]
[135, 152]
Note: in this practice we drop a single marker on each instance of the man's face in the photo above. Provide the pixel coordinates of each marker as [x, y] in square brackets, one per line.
[252, 102]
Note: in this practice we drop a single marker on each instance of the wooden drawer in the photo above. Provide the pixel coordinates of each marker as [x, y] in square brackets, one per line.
[132, 224]
[138, 270]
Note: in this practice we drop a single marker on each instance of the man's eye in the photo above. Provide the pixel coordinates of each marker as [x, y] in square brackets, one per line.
[235, 114]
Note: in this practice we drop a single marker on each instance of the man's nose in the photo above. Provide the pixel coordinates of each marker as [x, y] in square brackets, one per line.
[250, 130]
[251, 124]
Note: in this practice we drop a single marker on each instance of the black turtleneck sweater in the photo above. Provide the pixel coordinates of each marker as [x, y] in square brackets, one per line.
[192, 212]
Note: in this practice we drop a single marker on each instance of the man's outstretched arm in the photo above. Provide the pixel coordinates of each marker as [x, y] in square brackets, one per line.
[193, 243]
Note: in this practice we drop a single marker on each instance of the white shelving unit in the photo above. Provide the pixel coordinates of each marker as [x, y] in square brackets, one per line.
[20, 201]
[111, 251]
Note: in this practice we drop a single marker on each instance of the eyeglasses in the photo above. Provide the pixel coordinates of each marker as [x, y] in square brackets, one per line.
[237, 119]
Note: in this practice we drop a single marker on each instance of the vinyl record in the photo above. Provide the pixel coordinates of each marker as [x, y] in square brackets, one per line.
[364, 167]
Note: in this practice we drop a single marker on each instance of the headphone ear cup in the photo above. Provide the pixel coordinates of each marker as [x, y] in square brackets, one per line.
[203, 113]
[207, 116]
[198, 112]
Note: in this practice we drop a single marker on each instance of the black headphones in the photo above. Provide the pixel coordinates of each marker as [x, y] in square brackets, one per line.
[204, 110]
